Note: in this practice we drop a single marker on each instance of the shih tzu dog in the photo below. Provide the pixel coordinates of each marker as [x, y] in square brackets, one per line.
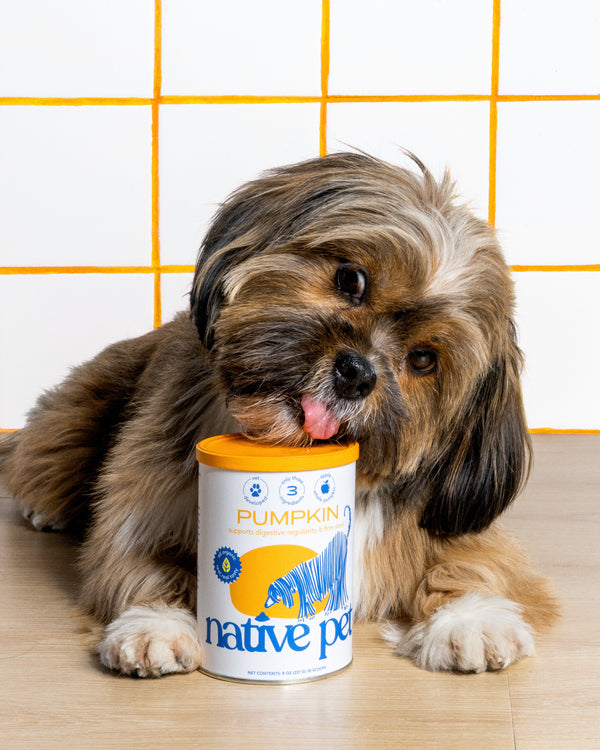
[341, 298]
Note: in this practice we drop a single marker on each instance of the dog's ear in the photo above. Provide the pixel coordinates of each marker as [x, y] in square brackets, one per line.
[487, 457]
[231, 239]
[206, 297]
[214, 259]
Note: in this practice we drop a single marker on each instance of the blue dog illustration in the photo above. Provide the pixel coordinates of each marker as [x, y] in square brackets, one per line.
[315, 578]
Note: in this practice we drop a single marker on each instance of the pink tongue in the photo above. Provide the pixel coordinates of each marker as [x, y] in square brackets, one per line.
[319, 422]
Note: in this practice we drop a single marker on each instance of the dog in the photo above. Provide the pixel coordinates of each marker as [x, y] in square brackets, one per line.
[314, 579]
[341, 298]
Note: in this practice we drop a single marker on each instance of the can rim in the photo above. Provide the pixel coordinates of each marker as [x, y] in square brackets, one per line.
[238, 453]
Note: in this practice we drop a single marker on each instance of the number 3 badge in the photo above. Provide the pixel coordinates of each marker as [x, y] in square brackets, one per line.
[291, 490]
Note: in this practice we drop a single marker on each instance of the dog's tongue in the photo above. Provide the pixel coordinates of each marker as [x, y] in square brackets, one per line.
[319, 422]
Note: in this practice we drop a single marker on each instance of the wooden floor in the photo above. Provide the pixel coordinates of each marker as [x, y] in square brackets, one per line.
[53, 692]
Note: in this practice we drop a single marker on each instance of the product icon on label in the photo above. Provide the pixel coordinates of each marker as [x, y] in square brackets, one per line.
[291, 490]
[325, 487]
[227, 565]
[256, 491]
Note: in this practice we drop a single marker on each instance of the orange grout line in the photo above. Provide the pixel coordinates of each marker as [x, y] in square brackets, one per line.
[155, 162]
[174, 268]
[157, 298]
[357, 98]
[325, 38]
[553, 431]
[75, 101]
[282, 99]
[548, 97]
[177, 269]
[238, 99]
[157, 76]
[35, 270]
[328, 98]
[493, 155]
[323, 129]
[557, 269]
[368, 99]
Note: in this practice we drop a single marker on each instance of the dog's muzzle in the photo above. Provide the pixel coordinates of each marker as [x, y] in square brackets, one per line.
[354, 376]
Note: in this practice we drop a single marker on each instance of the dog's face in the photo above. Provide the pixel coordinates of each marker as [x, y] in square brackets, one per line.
[343, 298]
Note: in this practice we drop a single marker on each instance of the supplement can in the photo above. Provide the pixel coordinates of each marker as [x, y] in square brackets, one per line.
[275, 543]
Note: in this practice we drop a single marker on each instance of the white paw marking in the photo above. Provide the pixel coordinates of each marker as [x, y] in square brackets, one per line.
[471, 634]
[41, 521]
[151, 641]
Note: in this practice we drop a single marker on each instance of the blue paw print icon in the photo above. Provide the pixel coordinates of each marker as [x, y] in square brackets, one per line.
[256, 491]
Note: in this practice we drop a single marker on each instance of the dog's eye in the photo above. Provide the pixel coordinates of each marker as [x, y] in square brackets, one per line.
[422, 361]
[352, 282]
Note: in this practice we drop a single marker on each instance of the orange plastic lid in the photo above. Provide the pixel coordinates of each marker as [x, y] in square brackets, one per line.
[241, 454]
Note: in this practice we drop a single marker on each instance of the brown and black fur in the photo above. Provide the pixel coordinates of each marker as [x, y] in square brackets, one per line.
[442, 451]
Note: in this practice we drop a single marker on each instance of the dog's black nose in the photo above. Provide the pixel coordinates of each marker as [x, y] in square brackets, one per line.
[354, 376]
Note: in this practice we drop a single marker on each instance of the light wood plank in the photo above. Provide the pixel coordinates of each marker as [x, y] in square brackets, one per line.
[555, 697]
[53, 692]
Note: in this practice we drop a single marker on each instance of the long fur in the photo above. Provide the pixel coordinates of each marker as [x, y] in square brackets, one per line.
[344, 256]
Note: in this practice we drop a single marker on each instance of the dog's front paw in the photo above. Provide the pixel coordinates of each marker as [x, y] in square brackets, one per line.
[151, 641]
[471, 634]
[43, 520]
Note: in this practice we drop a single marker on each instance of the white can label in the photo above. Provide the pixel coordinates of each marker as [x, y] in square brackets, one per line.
[275, 573]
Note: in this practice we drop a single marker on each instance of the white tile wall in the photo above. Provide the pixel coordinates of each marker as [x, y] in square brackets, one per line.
[76, 48]
[76, 181]
[444, 135]
[175, 288]
[51, 323]
[407, 47]
[263, 47]
[75, 185]
[558, 317]
[550, 47]
[206, 151]
[547, 181]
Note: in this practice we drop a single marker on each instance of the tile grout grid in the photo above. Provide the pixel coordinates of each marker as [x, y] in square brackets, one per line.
[157, 269]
